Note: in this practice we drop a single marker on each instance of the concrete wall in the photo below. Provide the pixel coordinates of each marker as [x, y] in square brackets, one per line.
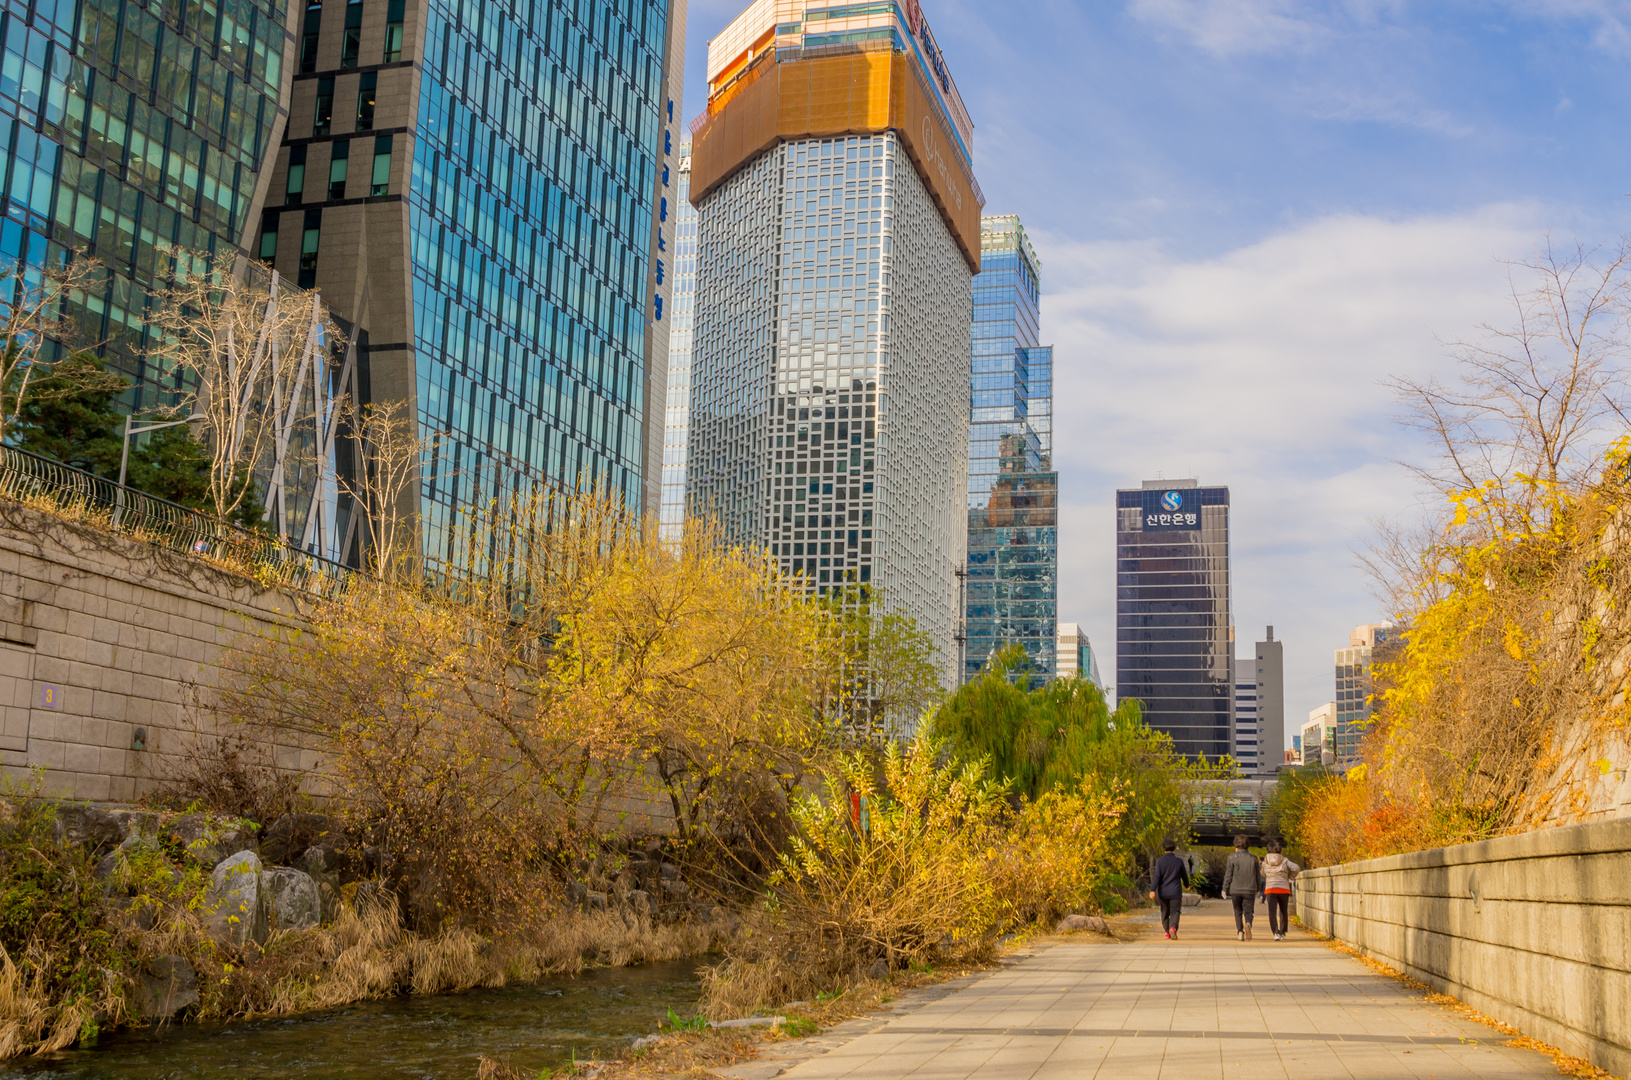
[101, 635]
[1533, 930]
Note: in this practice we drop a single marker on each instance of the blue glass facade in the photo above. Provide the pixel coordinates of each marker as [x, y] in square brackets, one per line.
[128, 127]
[677, 420]
[1011, 591]
[498, 213]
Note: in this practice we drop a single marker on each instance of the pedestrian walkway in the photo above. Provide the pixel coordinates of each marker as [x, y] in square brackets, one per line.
[1202, 1006]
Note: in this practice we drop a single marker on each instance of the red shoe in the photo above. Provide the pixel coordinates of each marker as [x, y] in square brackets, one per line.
[1169, 935]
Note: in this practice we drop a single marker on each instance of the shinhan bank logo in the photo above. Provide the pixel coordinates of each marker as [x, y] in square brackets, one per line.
[1172, 500]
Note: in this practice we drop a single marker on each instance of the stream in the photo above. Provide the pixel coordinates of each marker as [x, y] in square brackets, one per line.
[532, 1027]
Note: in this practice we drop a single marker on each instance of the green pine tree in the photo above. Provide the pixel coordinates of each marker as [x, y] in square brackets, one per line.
[70, 413]
[172, 465]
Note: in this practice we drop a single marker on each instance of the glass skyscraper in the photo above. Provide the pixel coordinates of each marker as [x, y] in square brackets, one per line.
[677, 423]
[1012, 590]
[130, 127]
[1174, 627]
[837, 235]
[487, 188]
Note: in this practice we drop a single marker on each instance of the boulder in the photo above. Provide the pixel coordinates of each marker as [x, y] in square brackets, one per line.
[640, 902]
[291, 898]
[879, 969]
[208, 840]
[595, 901]
[89, 825]
[1081, 922]
[233, 905]
[165, 986]
[676, 888]
[292, 834]
[137, 822]
[1192, 899]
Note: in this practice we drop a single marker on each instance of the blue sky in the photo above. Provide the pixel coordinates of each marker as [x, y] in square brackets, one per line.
[1250, 213]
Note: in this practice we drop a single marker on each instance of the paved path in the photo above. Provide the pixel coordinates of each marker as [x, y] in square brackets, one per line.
[1203, 1006]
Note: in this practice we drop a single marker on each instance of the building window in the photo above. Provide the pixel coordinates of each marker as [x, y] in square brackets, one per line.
[365, 101]
[393, 32]
[325, 107]
[268, 251]
[336, 169]
[308, 249]
[308, 36]
[297, 176]
[381, 182]
[351, 43]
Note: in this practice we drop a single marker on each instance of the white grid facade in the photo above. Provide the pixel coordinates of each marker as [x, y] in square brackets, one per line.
[682, 300]
[829, 406]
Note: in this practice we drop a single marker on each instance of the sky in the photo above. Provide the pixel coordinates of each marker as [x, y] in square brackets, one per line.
[1250, 214]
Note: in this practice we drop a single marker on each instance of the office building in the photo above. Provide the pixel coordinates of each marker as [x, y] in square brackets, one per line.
[677, 419]
[1076, 656]
[1265, 670]
[1246, 745]
[838, 234]
[487, 190]
[130, 130]
[1354, 685]
[1174, 632]
[1319, 736]
[1012, 588]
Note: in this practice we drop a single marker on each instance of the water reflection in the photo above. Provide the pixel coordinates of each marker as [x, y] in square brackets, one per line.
[434, 1038]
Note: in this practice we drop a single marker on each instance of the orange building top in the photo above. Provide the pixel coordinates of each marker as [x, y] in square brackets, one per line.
[856, 92]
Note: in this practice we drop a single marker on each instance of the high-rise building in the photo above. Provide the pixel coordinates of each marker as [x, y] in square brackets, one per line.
[1246, 751]
[1267, 669]
[838, 233]
[1012, 588]
[1354, 685]
[1319, 736]
[1076, 656]
[505, 236]
[677, 421]
[129, 130]
[1174, 632]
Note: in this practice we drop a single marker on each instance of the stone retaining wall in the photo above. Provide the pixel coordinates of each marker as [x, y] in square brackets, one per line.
[102, 635]
[1533, 930]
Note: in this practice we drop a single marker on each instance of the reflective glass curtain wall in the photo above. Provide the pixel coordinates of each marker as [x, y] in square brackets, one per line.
[1011, 591]
[487, 187]
[539, 130]
[677, 419]
[127, 127]
[1174, 650]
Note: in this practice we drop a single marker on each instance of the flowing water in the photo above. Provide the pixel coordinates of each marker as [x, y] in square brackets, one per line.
[417, 1038]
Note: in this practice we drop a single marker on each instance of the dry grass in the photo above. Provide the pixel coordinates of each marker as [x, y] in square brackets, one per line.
[30, 1021]
[1566, 1064]
[369, 955]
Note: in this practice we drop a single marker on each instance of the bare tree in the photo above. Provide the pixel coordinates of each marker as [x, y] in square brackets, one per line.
[392, 456]
[36, 313]
[244, 341]
[1532, 405]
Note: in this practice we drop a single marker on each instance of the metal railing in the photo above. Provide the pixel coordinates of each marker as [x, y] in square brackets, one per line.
[29, 478]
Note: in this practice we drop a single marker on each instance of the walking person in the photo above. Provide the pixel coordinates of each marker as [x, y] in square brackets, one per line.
[1278, 874]
[1168, 879]
[1242, 881]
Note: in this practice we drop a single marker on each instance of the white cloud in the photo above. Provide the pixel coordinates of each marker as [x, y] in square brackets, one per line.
[1233, 27]
[1261, 369]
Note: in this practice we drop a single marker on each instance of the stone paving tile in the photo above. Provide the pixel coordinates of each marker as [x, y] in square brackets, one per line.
[1206, 1006]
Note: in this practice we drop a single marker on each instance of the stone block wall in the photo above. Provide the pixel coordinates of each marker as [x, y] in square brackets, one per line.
[102, 635]
[1533, 929]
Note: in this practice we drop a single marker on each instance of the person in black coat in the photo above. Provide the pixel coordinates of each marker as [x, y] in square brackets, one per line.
[1169, 877]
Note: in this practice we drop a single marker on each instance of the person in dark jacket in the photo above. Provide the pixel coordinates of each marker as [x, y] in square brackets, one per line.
[1168, 879]
[1242, 881]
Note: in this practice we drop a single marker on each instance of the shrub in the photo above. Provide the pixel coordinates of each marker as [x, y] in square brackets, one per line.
[1058, 855]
